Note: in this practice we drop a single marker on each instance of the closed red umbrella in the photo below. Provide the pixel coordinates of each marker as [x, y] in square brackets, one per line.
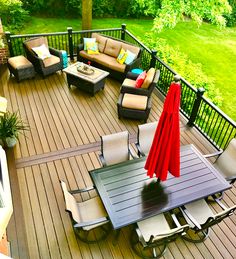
[164, 154]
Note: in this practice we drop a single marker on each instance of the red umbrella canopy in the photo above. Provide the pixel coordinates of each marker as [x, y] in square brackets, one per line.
[164, 154]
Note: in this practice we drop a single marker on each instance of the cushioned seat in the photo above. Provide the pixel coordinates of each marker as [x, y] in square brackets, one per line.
[46, 63]
[21, 67]
[134, 106]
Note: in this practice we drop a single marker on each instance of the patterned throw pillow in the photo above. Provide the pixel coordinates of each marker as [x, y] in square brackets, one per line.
[42, 52]
[140, 79]
[92, 48]
[122, 56]
[130, 57]
[86, 40]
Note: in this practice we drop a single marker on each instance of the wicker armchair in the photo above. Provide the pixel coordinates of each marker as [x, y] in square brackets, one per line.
[43, 66]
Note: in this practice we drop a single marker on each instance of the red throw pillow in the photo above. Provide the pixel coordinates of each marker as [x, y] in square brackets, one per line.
[140, 79]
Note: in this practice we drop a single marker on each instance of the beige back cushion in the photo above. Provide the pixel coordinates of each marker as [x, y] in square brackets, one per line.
[227, 160]
[149, 78]
[101, 40]
[36, 42]
[112, 48]
[145, 136]
[131, 48]
[71, 204]
[115, 147]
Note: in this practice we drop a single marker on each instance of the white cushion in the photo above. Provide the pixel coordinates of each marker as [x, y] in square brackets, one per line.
[86, 40]
[130, 57]
[42, 51]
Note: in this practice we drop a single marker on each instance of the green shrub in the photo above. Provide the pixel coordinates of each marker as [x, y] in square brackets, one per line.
[12, 14]
[231, 18]
[180, 62]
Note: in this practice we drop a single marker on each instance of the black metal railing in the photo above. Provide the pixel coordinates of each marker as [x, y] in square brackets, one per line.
[215, 126]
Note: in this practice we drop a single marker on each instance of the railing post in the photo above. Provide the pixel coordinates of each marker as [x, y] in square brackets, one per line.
[153, 60]
[70, 41]
[196, 105]
[123, 28]
[8, 34]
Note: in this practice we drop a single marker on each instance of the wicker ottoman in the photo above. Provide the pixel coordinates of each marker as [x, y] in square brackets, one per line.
[21, 67]
[134, 106]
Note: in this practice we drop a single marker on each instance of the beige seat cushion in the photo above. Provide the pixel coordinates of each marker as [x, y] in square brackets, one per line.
[112, 48]
[51, 61]
[149, 78]
[101, 40]
[110, 62]
[131, 48]
[19, 62]
[129, 82]
[84, 54]
[133, 101]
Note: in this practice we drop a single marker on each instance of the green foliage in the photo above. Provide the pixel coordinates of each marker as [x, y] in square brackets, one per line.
[231, 18]
[12, 14]
[11, 125]
[172, 12]
[180, 62]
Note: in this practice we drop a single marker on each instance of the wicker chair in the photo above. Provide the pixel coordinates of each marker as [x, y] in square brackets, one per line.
[115, 148]
[151, 80]
[86, 216]
[145, 137]
[47, 66]
[155, 232]
[200, 217]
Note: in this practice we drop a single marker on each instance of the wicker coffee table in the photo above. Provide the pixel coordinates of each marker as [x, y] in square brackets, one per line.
[90, 83]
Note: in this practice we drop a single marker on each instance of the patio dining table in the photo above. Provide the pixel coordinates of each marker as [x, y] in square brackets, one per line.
[121, 187]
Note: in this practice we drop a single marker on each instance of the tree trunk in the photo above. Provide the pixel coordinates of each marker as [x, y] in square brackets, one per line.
[87, 14]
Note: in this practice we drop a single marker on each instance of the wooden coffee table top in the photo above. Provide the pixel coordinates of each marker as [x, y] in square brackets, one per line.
[98, 74]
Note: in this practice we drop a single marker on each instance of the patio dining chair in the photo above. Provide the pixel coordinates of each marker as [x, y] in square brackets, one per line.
[151, 236]
[145, 137]
[226, 161]
[200, 218]
[86, 216]
[115, 148]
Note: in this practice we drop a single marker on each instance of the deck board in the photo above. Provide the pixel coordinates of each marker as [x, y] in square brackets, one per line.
[64, 143]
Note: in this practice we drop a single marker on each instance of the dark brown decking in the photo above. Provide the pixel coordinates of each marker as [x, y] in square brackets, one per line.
[63, 144]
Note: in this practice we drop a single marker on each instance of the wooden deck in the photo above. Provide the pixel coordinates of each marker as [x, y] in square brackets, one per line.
[63, 143]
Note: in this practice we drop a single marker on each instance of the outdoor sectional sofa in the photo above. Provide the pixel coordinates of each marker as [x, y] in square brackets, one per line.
[109, 49]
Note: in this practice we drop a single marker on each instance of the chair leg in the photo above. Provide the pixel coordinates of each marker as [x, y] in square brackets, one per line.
[196, 237]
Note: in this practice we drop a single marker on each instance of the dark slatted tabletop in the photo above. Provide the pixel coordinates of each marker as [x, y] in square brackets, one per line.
[128, 196]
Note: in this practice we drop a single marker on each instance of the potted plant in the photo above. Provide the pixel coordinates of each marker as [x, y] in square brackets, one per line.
[11, 125]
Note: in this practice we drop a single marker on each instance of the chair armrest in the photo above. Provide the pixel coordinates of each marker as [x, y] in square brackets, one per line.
[214, 154]
[134, 90]
[55, 52]
[132, 65]
[80, 47]
[82, 190]
[132, 75]
[191, 218]
[91, 222]
[101, 157]
[140, 152]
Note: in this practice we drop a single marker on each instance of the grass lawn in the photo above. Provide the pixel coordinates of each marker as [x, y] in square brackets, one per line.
[214, 48]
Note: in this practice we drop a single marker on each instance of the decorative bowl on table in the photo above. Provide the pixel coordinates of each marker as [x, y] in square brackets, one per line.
[85, 69]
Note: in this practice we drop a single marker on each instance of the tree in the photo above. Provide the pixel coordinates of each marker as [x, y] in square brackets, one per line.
[87, 14]
[172, 12]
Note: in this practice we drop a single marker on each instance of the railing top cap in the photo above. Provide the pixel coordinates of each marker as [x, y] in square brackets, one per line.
[177, 78]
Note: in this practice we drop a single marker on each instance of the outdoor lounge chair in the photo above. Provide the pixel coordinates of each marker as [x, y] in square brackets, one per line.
[151, 80]
[115, 148]
[155, 232]
[47, 65]
[86, 216]
[200, 217]
[226, 161]
[145, 137]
